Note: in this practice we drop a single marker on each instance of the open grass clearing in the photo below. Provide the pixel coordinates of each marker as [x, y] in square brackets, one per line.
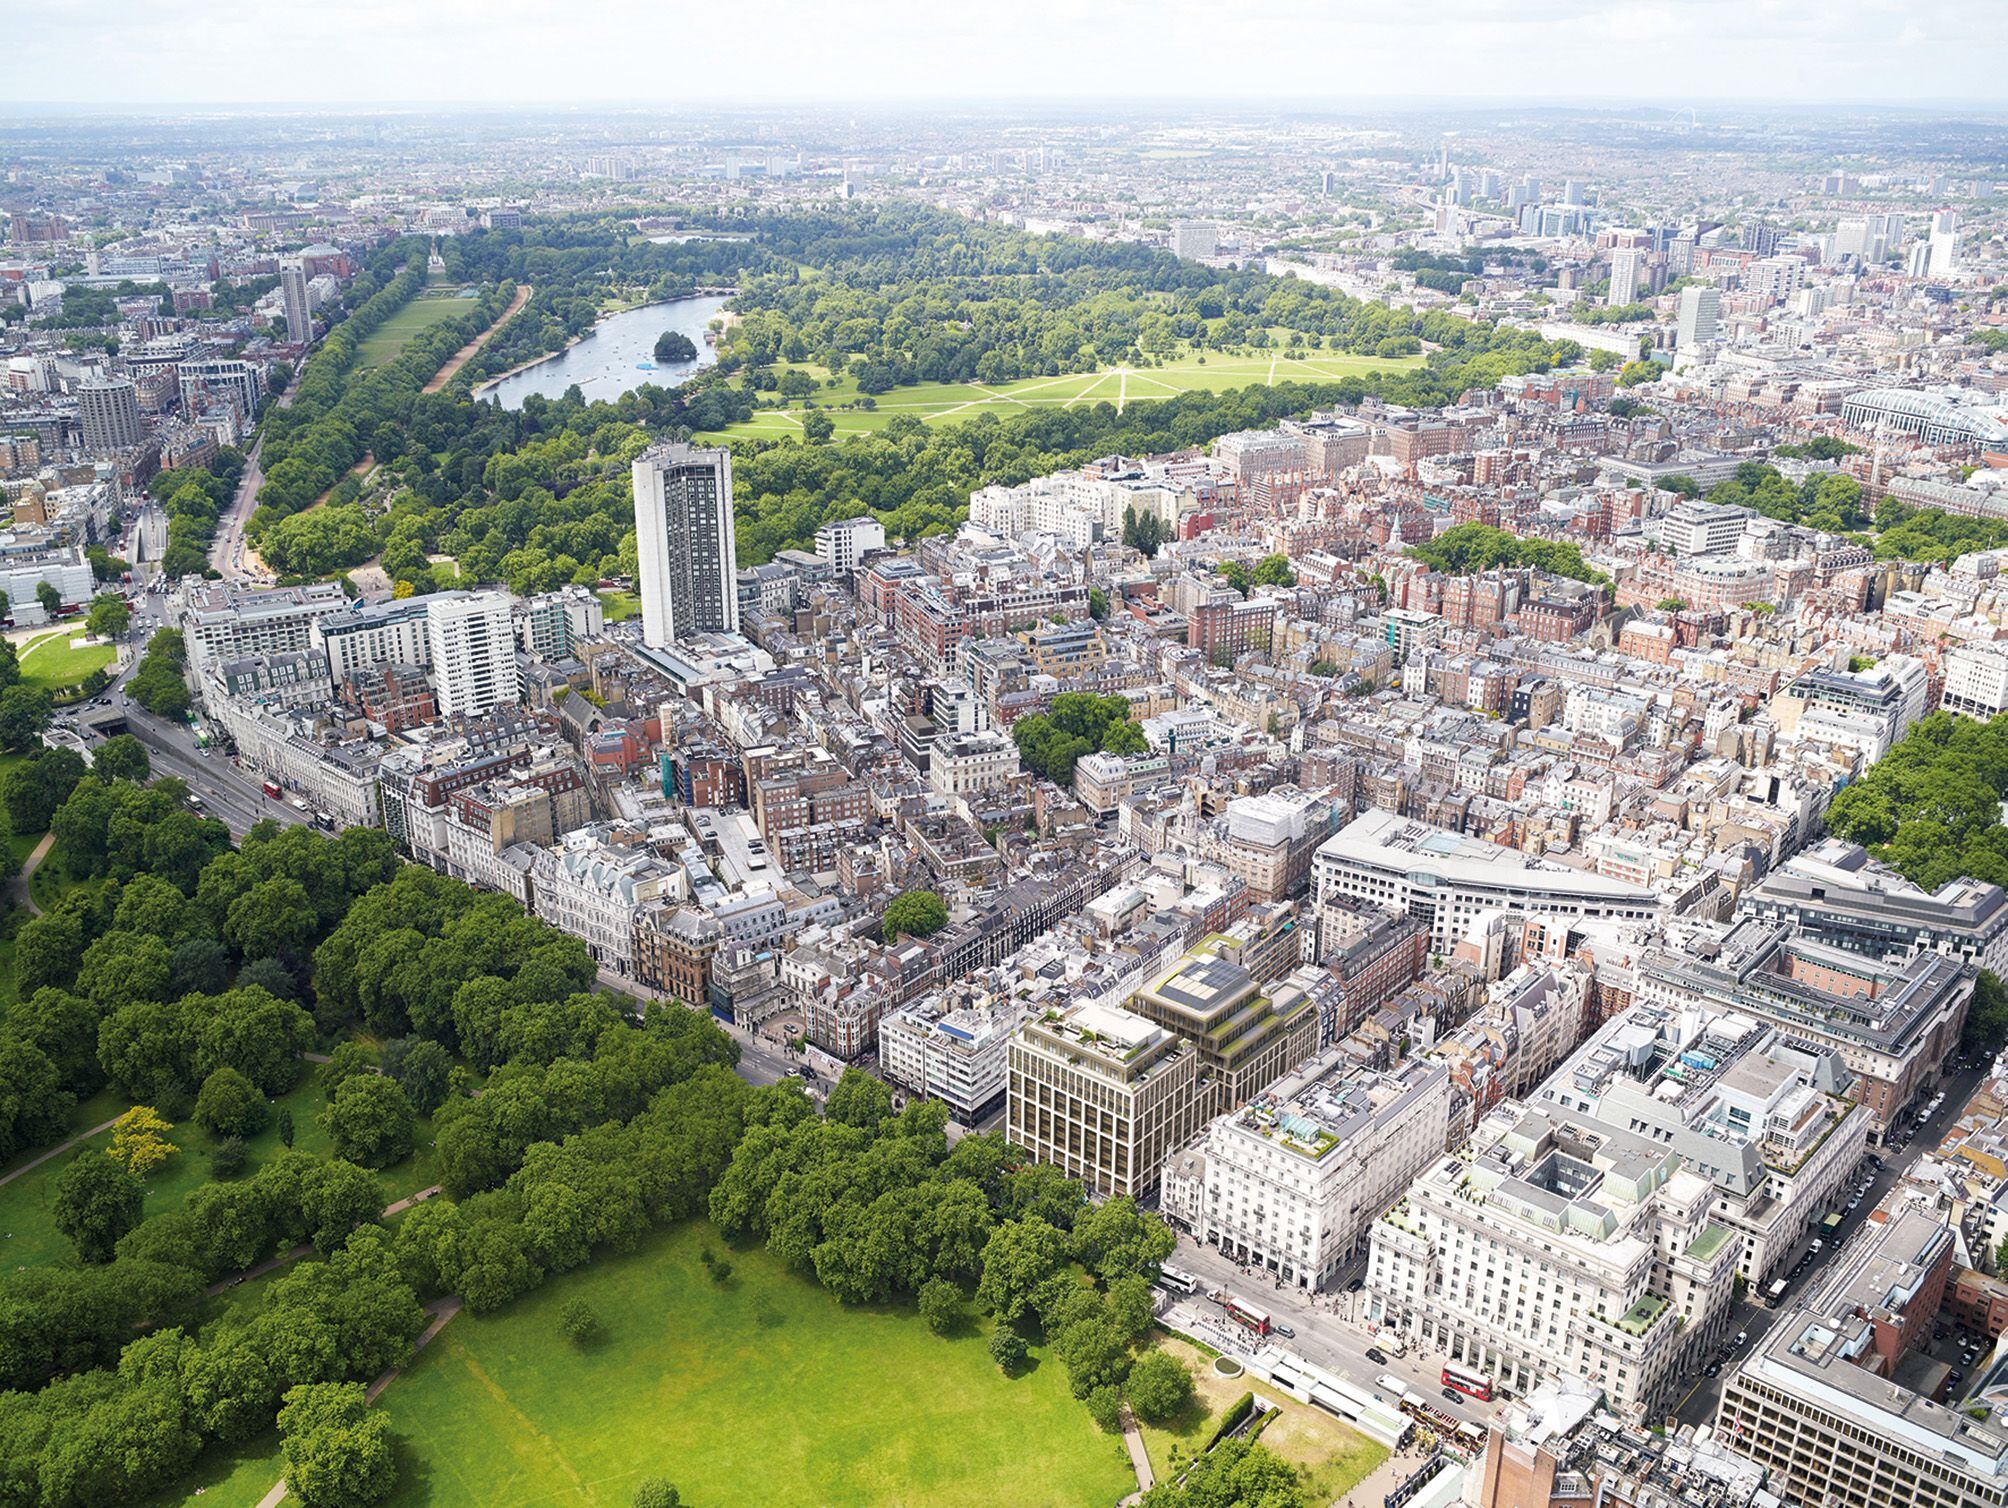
[937, 402]
[1332, 1458]
[63, 658]
[389, 338]
[764, 1390]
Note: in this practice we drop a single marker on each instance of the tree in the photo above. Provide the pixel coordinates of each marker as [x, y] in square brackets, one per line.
[1094, 1354]
[1159, 1387]
[1098, 604]
[1235, 574]
[139, 1140]
[123, 757]
[1019, 1256]
[49, 597]
[230, 1105]
[655, 1492]
[349, 1060]
[338, 1451]
[109, 617]
[817, 427]
[674, 346]
[1008, 1348]
[422, 1069]
[916, 913]
[940, 1305]
[1273, 570]
[579, 1324]
[24, 713]
[1987, 1015]
[859, 1100]
[371, 1122]
[97, 1201]
[1114, 1239]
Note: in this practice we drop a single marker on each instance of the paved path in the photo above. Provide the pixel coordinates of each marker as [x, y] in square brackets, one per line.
[1139, 1457]
[465, 354]
[18, 886]
[58, 1150]
[441, 1310]
[294, 1253]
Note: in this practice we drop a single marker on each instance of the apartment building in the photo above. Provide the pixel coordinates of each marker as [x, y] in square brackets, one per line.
[1556, 1243]
[473, 650]
[1292, 1181]
[1102, 1094]
[225, 623]
[383, 633]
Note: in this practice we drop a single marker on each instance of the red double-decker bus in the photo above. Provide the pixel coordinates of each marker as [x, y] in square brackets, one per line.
[1466, 1381]
[1247, 1314]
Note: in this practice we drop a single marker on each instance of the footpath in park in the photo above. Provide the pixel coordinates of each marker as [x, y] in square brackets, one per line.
[465, 354]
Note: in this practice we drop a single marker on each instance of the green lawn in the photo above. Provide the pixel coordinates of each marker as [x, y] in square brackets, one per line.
[53, 662]
[234, 1477]
[1331, 1457]
[765, 1391]
[620, 606]
[415, 318]
[1188, 372]
[28, 1234]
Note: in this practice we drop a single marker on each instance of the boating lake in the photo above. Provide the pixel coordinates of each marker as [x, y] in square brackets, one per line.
[617, 355]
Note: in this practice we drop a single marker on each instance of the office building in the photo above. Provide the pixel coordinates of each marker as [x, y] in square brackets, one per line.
[473, 651]
[108, 413]
[1837, 1399]
[956, 1055]
[223, 622]
[1976, 681]
[1552, 1243]
[843, 543]
[299, 304]
[1700, 309]
[1772, 1124]
[1195, 239]
[1446, 881]
[220, 382]
[684, 540]
[1292, 1181]
[1247, 1036]
[1947, 416]
[1944, 243]
[1627, 262]
[1892, 1024]
[365, 637]
[1103, 1095]
[1834, 893]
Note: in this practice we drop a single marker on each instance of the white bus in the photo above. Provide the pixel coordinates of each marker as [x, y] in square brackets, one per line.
[1177, 1280]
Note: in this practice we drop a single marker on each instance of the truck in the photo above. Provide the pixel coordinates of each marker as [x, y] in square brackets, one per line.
[1775, 1292]
[272, 789]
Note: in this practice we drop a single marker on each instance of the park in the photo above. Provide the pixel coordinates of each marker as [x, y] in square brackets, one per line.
[1119, 386]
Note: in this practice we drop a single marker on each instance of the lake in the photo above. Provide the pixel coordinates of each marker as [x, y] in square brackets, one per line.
[618, 354]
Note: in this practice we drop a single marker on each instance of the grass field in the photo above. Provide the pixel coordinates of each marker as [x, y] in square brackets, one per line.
[763, 1391]
[54, 661]
[1331, 1457]
[620, 606]
[28, 1234]
[415, 318]
[1122, 386]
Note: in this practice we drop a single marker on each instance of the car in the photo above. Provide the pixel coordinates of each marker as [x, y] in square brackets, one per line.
[1713, 1369]
[1742, 1338]
[1453, 1395]
[1283, 1330]
[1955, 1377]
[1356, 1285]
[1377, 1356]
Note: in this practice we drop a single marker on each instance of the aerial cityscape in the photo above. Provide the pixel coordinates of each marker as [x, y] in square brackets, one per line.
[932, 773]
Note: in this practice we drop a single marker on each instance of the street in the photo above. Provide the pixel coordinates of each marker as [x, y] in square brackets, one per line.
[1698, 1407]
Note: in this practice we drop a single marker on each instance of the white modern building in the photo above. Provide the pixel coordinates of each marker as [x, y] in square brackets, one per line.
[473, 651]
[225, 623]
[1292, 1181]
[385, 633]
[1446, 880]
[1700, 311]
[842, 543]
[298, 300]
[956, 1056]
[1976, 681]
[685, 543]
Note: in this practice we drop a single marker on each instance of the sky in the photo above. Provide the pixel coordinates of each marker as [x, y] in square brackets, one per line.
[766, 53]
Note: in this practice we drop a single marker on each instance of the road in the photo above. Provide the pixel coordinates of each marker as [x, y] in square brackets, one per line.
[1324, 1336]
[227, 551]
[1698, 1407]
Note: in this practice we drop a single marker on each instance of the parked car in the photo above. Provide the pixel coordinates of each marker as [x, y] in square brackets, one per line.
[1742, 1338]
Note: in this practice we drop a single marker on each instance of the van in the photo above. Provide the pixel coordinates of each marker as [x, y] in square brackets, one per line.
[1817, 1247]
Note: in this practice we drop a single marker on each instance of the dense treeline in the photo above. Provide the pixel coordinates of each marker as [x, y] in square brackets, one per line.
[1464, 548]
[193, 498]
[1931, 806]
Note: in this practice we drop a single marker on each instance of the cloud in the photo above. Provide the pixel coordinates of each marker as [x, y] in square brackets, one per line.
[790, 51]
